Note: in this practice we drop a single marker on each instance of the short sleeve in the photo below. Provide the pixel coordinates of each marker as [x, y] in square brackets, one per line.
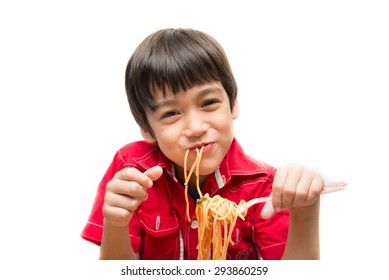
[270, 235]
[93, 230]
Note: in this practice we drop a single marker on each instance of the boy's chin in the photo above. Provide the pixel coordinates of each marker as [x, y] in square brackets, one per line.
[206, 171]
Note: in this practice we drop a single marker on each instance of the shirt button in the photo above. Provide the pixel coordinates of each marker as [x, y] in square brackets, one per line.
[194, 224]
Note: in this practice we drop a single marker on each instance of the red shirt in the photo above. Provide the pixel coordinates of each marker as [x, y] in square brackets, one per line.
[159, 229]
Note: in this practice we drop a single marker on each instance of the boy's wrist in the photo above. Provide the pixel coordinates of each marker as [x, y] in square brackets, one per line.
[112, 225]
[306, 212]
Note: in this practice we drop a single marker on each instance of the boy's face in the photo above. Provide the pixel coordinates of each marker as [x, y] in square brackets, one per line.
[200, 116]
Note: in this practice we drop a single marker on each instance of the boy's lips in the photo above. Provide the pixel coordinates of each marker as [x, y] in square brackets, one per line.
[207, 147]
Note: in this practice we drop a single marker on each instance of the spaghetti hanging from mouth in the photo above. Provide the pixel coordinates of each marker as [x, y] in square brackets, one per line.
[216, 216]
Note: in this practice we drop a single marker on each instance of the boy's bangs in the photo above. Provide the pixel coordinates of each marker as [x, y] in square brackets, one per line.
[179, 67]
[176, 77]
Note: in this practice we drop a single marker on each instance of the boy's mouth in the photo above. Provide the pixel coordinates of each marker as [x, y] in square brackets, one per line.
[207, 147]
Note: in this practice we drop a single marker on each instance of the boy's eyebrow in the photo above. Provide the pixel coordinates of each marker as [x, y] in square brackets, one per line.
[200, 94]
[165, 102]
[208, 90]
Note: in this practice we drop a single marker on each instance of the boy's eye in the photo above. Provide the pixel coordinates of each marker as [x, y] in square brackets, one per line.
[209, 102]
[168, 114]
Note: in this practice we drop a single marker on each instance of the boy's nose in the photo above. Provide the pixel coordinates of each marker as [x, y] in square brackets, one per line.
[195, 126]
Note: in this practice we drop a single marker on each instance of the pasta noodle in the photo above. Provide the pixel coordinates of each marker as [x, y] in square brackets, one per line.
[216, 216]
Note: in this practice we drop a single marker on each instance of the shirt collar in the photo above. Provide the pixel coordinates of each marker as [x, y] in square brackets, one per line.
[153, 157]
[238, 163]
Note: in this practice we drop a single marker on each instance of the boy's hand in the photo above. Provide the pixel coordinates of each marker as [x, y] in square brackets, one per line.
[125, 192]
[293, 186]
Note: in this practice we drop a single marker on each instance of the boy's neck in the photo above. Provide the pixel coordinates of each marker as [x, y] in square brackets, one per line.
[192, 184]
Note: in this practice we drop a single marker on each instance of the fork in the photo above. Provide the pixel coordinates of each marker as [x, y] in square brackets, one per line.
[333, 187]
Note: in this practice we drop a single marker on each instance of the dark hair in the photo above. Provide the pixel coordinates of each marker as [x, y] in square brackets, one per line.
[175, 59]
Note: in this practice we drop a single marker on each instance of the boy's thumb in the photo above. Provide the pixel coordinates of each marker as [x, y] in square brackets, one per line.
[267, 210]
[154, 172]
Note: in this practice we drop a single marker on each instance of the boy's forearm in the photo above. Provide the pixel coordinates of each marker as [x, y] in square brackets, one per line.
[303, 236]
[116, 244]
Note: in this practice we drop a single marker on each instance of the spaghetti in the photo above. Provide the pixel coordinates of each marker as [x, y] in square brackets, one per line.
[216, 216]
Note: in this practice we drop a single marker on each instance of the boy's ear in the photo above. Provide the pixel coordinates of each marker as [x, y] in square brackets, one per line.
[235, 110]
[148, 136]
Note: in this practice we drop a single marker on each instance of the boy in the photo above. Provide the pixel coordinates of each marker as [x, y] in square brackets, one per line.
[182, 94]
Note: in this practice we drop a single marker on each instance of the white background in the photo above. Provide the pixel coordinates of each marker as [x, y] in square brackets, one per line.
[312, 77]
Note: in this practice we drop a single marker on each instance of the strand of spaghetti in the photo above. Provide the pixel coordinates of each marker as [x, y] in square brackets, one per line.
[235, 218]
[188, 176]
[216, 209]
[200, 154]
[204, 233]
[225, 241]
[226, 215]
[185, 165]
[186, 186]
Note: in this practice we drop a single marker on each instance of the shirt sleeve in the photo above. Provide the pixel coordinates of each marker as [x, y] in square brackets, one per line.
[136, 233]
[93, 230]
[270, 235]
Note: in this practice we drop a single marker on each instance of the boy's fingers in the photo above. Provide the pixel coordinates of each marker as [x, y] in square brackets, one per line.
[290, 186]
[302, 190]
[127, 188]
[267, 210]
[144, 179]
[154, 173]
[314, 190]
[129, 203]
[129, 174]
[277, 188]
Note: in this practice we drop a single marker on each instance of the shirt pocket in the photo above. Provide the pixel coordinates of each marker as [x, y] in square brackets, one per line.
[161, 239]
[242, 232]
[242, 236]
